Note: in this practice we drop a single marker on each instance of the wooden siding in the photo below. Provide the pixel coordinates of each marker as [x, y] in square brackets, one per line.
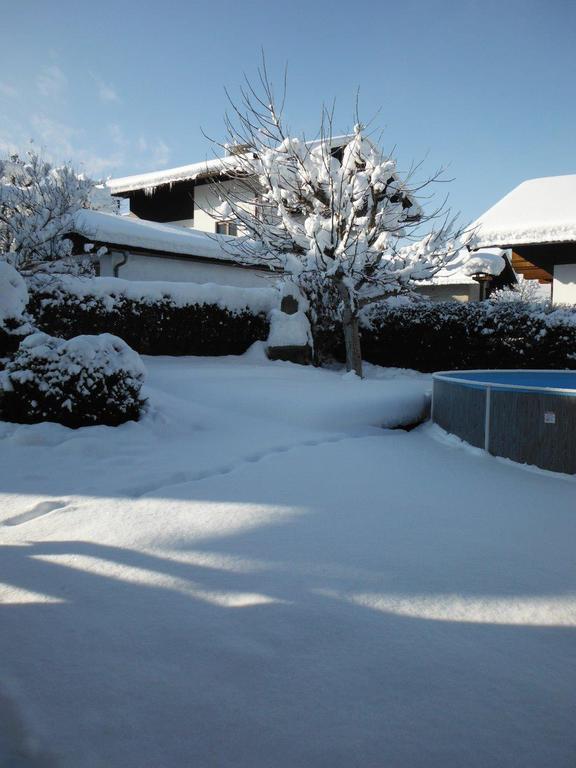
[536, 262]
[530, 270]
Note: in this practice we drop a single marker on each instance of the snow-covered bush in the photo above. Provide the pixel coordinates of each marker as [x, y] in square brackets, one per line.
[155, 318]
[524, 291]
[451, 335]
[86, 380]
[13, 301]
[13, 295]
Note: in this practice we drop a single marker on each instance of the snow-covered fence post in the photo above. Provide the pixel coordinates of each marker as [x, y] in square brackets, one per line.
[290, 336]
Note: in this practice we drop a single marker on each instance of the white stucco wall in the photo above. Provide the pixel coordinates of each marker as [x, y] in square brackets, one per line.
[206, 198]
[564, 285]
[139, 267]
[456, 292]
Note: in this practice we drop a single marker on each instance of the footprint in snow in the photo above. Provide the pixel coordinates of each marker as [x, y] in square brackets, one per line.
[38, 510]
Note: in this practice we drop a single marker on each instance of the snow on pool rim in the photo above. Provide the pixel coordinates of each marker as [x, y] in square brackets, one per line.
[482, 378]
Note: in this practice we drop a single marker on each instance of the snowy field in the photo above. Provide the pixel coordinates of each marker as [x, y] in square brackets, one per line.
[257, 575]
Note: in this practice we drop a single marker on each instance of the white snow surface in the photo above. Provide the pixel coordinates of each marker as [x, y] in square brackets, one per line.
[257, 575]
[110, 289]
[150, 235]
[536, 211]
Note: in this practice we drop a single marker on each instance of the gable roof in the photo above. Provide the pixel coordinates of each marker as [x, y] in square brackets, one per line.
[536, 211]
[214, 167]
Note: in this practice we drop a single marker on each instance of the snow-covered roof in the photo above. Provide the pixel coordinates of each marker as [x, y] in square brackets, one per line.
[152, 236]
[536, 211]
[206, 168]
[215, 166]
[459, 271]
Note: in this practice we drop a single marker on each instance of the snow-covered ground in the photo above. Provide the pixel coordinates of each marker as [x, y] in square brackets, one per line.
[257, 575]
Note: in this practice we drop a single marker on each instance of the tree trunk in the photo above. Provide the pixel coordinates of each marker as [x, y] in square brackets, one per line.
[351, 333]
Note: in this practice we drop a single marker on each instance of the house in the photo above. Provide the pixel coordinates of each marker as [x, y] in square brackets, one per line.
[537, 222]
[169, 231]
[187, 195]
[181, 196]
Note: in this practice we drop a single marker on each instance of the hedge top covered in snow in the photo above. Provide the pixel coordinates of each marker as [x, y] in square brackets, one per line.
[112, 289]
[536, 211]
[151, 236]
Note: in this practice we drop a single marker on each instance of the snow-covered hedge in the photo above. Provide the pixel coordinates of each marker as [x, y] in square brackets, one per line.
[447, 335]
[155, 318]
[86, 380]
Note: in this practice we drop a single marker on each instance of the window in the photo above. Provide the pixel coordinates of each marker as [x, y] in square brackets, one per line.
[227, 228]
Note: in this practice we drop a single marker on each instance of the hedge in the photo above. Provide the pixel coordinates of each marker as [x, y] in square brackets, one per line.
[453, 335]
[10, 338]
[177, 319]
[156, 321]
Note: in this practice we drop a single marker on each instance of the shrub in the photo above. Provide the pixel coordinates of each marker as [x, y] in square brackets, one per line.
[13, 301]
[86, 380]
[155, 318]
[452, 335]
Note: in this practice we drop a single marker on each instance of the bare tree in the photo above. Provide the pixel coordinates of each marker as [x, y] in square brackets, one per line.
[332, 213]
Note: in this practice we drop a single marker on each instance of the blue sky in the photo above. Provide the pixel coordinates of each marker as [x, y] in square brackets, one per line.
[485, 88]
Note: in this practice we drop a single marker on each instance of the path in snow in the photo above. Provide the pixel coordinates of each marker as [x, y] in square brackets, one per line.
[235, 582]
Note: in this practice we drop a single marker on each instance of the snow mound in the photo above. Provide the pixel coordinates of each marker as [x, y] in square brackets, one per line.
[289, 330]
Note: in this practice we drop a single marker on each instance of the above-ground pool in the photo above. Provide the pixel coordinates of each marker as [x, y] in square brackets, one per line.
[526, 416]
